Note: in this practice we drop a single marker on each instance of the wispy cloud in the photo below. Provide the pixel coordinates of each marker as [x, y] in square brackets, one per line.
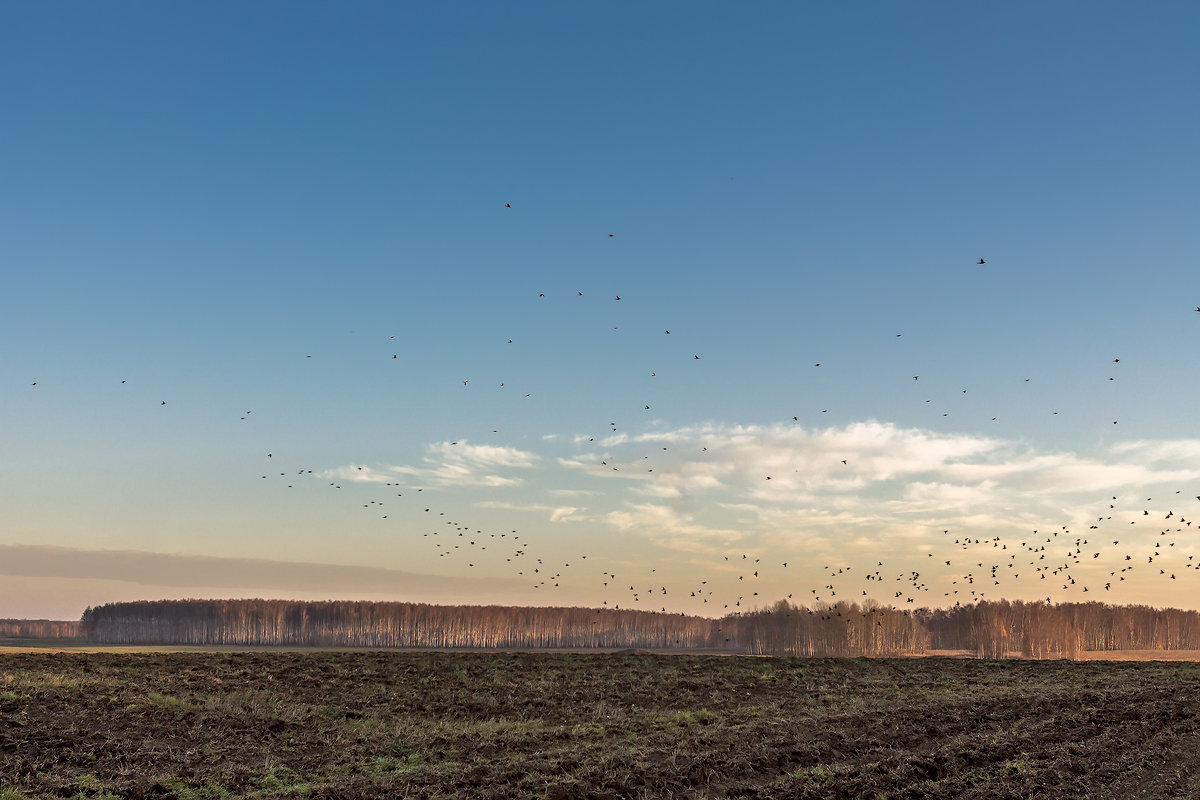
[447, 463]
[554, 513]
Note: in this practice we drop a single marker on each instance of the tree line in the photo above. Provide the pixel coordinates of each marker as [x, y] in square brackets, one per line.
[338, 623]
[40, 629]
[992, 629]
[1040, 630]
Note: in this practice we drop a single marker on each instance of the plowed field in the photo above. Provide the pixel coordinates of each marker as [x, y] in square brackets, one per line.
[505, 725]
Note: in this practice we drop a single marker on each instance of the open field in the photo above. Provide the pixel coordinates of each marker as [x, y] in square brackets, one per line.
[395, 724]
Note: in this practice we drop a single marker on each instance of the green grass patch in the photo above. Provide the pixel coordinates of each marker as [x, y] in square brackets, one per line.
[280, 780]
[589, 730]
[386, 766]
[210, 790]
[88, 783]
[1022, 764]
[167, 701]
[816, 774]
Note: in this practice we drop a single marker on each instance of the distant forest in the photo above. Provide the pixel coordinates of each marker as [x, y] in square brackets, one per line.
[987, 629]
[39, 629]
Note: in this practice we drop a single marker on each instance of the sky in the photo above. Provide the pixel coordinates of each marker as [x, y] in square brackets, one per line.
[614, 304]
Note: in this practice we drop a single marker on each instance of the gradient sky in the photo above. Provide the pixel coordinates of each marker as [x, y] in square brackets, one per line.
[260, 280]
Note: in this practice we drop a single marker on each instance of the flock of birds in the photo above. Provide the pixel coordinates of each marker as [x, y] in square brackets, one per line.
[964, 569]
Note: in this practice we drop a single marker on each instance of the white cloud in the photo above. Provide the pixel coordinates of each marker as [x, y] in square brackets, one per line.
[1152, 451]
[671, 527]
[573, 493]
[464, 452]
[937, 497]
[711, 481]
[553, 513]
[563, 513]
[449, 464]
[364, 474]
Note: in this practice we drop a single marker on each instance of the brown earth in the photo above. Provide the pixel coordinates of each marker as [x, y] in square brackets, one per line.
[405, 724]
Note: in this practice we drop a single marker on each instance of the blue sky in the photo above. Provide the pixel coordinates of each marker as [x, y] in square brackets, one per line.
[234, 210]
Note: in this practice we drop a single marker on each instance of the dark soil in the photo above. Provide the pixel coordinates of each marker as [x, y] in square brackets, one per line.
[505, 725]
